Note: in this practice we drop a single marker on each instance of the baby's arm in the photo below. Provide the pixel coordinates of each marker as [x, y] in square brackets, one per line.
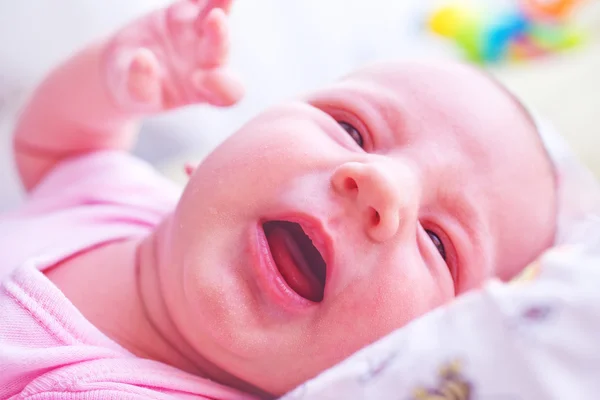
[170, 58]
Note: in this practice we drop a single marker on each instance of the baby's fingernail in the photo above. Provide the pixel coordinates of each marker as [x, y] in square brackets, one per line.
[189, 168]
[224, 5]
[141, 62]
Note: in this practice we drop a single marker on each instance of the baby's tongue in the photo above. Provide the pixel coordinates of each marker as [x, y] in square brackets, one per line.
[292, 265]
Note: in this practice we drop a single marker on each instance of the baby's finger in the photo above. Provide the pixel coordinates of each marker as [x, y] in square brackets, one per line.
[224, 5]
[213, 47]
[144, 84]
[218, 87]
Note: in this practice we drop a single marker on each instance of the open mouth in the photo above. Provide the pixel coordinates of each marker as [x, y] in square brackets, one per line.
[297, 259]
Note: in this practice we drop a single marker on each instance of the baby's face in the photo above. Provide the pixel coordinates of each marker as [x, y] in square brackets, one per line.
[414, 182]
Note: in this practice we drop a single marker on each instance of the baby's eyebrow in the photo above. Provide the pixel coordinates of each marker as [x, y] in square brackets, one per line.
[380, 102]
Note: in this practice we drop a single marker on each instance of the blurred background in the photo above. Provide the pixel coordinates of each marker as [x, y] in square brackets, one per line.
[281, 48]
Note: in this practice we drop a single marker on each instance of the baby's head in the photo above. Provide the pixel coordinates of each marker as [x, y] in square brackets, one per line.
[415, 183]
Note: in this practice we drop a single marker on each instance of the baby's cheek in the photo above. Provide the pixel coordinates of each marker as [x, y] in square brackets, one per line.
[402, 299]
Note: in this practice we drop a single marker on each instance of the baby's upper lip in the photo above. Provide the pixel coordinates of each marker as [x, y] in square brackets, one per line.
[320, 236]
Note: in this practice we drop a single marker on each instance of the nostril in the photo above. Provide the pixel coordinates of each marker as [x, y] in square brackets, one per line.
[350, 185]
[375, 217]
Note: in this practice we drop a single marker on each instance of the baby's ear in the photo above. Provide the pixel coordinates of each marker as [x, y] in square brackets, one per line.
[189, 168]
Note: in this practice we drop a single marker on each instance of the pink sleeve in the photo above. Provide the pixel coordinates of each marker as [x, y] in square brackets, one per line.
[85, 201]
[104, 177]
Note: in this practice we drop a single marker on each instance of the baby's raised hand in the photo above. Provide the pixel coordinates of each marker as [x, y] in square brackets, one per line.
[173, 57]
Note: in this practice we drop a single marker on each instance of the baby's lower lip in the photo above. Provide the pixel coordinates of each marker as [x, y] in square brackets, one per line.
[270, 282]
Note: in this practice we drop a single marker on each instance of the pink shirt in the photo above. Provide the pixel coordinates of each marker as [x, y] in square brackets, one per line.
[48, 350]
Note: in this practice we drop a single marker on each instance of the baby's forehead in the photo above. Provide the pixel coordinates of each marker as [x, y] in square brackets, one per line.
[407, 75]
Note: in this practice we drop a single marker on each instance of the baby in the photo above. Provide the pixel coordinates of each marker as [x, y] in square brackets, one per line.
[320, 226]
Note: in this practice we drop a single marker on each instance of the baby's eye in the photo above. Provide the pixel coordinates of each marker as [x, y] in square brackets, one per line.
[353, 132]
[438, 244]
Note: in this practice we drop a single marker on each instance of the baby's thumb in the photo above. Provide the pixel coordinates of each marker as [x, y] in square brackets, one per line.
[218, 87]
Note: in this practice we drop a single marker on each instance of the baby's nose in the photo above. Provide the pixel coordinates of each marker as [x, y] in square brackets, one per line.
[377, 194]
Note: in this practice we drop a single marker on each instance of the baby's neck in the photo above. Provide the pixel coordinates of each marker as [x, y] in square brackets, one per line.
[163, 341]
[114, 303]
